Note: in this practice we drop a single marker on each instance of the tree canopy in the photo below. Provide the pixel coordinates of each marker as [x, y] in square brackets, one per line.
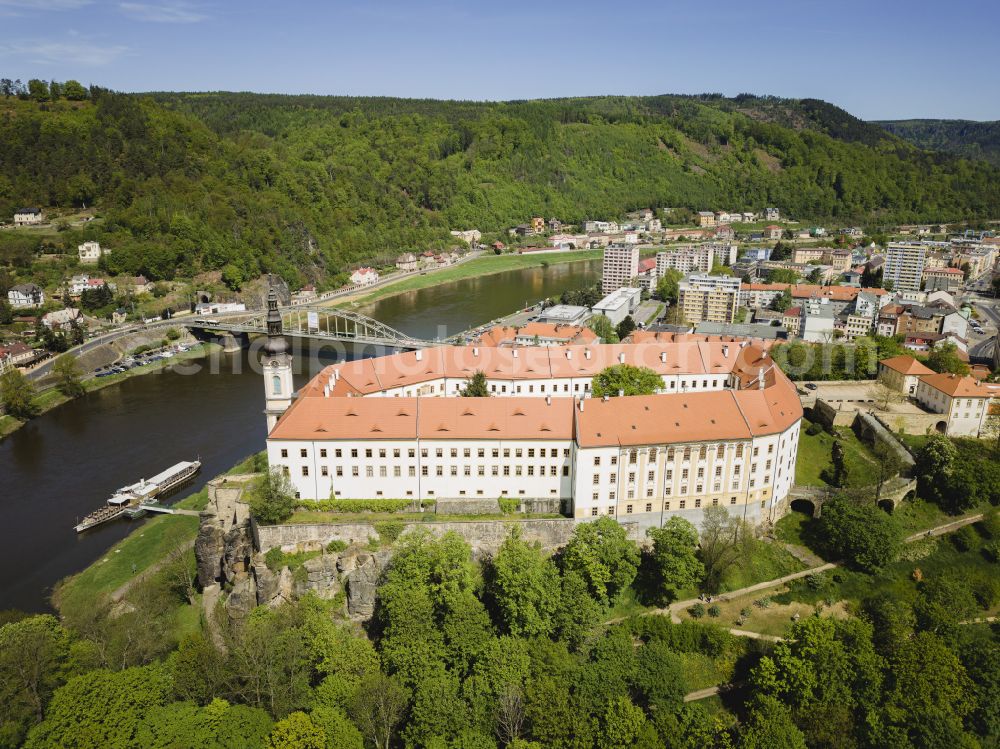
[626, 379]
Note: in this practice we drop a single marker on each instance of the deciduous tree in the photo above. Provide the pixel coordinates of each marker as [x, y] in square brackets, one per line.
[675, 553]
[18, 394]
[626, 379]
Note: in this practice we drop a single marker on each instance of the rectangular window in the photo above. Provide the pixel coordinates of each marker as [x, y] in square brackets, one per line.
[649, 476]
[338, 453]
[614, 478]
[597, 460]
[732, 500]
[354, 453]
[397, 471]
[368, 453]
[683, 503]
[303, 452]
[531, 452]
[494, 470]
[305, 470]
[369, 472]
[322, 452]
[649, 507]
[454, 470]
[395, 453]
[381, 453]
[439, 470]
[423, 470]
[666, 505]
[340, 471]
[614, 460]
[412, 453]
[284, 453]
[593, 512]
[382, 471]
[506, 470]
[481, 453]
[628, 509]
[354, 471]
[454, 452]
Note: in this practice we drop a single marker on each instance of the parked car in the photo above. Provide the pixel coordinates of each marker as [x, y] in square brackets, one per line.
[811, 385]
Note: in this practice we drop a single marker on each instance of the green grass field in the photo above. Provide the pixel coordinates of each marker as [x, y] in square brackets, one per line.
[481, 266]
[815, 455]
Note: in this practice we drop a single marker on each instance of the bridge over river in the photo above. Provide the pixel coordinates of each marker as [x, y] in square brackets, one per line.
[321, 323]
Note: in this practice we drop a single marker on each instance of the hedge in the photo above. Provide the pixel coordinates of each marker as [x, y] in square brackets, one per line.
[356, 505]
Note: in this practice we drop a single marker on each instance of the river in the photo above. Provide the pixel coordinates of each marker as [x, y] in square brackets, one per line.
[63, 464]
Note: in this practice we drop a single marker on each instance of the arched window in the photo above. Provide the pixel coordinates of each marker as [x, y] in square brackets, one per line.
[276, 384]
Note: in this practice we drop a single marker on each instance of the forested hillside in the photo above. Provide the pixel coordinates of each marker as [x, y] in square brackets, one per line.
[965, 138]
[305, 185]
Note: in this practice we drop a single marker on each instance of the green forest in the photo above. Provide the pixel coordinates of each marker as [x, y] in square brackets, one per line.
[965, 138]
[305, 186]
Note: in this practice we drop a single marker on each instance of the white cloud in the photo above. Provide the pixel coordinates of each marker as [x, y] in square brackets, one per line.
[178, 12]
[41, 52]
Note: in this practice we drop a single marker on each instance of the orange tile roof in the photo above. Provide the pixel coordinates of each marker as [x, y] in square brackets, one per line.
[906, 365]
[813, 291]
[956, 386]
[501, 334]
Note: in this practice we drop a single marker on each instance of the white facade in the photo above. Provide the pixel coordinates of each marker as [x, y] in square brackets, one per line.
[621, 265]
[818, 321]
[90, 252]
[965, 415]
[25, 295]
[619, 304]
[364, 276]
[28, 216]
[904, 265]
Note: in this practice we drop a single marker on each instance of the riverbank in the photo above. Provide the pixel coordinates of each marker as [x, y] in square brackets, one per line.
[50, 398]
[482, 266]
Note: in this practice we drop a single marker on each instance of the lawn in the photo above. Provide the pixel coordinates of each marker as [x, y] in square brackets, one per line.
[767, 561]
[702, 671]
[774, 619]
[152, 541]
[815, 451]
[789, 528]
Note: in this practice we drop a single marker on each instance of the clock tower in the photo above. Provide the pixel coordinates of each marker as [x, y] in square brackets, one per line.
[277, 365]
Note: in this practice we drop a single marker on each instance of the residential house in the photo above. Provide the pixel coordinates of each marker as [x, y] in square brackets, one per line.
[555, 224]
[725, 232]
[28, 216]
[25, 295]
[537, 225]
[364, 276]
[772, 214]
[888, 319]
[706, 218]
[709, 298]
[902, 373]
[818, 320]
[62, 318]
[757, 253]
[406, 262]
[773, 231]
[805, 255]
[469, 236]
[14, 355]
[791, 320]
[647, 274]
[90, 252]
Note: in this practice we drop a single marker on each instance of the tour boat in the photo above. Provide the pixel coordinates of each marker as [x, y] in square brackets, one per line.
[142, 492]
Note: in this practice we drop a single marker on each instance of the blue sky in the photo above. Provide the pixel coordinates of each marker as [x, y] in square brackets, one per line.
[875, 58]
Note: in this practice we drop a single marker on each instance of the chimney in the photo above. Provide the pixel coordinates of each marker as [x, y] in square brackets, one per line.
[326, 391]
[760, 378]
[587, 353]
[475, 351]
[604, 399]
[763, 355]
[621, 393]
[725, 352]
[548, 400]
[581, 405]
[569, 354]
[420, 355]
[621, 358]
[663, 357]
[515, 353]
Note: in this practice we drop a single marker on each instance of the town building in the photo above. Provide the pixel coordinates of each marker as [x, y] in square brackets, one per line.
[406, 262]
[25, 295]
[963, 401]
[706, 218]
[722, 432]
[818, 320]
[791, 320]
[60, 319]
[13, 355]
[709, 298]
[773, 231]
[902, 373]
[90, 252]
[621, 265]
[564, 314]
[805, 255]
[685, 260]
[943, 279]
[772, 214]
[619, 304]
[28, 216]
[904, 265]
[364, 276]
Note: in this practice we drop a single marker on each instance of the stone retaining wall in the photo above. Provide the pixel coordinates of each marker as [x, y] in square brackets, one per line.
[484, 536]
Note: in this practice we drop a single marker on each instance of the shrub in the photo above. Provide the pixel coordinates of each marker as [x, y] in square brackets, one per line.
[173, 334]
[336, 546]
[714, 610]
[509, 505]
[274, 559]
[356, 505]
[986, 589]
[762, 603]
[813, 429]
[697, 611]
[965, 538]
[389, 530]
[817, 580]
[746, 611]
[992, 550]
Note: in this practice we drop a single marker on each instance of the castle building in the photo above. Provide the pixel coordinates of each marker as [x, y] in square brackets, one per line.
[722, 430]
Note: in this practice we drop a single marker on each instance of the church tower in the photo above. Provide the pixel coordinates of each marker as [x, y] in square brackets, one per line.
[277, 365]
